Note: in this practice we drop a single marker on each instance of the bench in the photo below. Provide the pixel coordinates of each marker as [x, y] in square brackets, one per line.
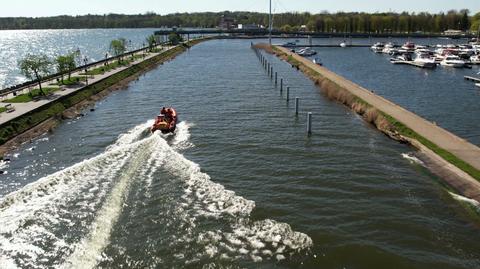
[9, 108]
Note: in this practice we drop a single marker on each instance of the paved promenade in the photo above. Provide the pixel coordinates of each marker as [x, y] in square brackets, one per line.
[22, 108]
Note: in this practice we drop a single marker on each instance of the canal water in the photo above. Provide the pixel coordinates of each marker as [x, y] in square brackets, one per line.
[239, 185]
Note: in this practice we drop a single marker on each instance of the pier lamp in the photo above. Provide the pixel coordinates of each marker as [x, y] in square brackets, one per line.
[85, 61]
[144, 49]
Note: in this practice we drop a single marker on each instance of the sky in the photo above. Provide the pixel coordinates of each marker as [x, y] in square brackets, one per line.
[42, 8]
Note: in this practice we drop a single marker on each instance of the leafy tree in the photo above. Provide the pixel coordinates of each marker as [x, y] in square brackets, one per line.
[61, 65]
[118, 47]
[35, 67]
[475, 23]
[66, 63]
[71, 63]
[152, 42]
[465, 20]
[175, 38]
[357, 22]
[286, 28]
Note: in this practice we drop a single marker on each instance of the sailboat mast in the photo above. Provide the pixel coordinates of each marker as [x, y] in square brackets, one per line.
[270, 24]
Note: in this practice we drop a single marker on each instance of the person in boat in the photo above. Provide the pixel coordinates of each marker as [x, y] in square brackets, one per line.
[163, 111]
[169, 114]
[160, 118]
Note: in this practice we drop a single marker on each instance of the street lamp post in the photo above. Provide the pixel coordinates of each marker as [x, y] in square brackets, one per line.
[85, 61]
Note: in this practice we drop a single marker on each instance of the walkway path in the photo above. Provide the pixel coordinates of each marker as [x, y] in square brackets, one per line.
[22, 108]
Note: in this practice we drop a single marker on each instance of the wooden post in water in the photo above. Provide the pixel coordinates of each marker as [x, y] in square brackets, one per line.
[296, 105]
[309, 123]
[276, 76]
[281, 85]
[288, 94]
[271, 72]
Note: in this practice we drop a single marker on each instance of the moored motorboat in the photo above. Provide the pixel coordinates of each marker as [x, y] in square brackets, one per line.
[166, 121]
[317, 61]
[409, 46]
[477, 84]
[453, 61]
[305, 52]
[425, 60]
[475, 59]
[402, 58]
[343, 44]
[378, 47]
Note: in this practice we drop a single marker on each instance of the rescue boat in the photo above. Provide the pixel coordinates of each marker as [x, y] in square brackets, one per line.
[166, 122]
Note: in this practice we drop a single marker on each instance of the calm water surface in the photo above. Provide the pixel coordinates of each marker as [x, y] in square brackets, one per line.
[239, 185]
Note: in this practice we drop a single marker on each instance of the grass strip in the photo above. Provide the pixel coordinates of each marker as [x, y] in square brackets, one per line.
[27, 97]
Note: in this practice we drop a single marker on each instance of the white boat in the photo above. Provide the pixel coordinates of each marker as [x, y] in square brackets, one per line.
[389, 47]
[378, 47]
[343, 44]
[422, 50]
[317, 61]
[305, 52]
[477, 84]
[475, 59]
[453, 61]
[425, 60]
[408, 46]
[401, 58]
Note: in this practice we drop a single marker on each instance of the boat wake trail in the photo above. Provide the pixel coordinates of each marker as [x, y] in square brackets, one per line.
[140, 203]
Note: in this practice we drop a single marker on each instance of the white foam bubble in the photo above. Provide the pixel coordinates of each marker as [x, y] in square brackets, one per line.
[181, 140]
[464, 199]
[412, 158]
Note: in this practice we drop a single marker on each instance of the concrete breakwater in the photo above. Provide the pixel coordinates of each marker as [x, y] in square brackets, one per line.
[452, 158]
[15, 128]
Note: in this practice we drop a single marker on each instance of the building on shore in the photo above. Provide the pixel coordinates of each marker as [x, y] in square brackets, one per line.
[452, 32]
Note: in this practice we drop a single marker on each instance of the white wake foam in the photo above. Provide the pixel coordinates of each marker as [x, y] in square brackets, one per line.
[412, 158]
[474, 203]
[65, 220]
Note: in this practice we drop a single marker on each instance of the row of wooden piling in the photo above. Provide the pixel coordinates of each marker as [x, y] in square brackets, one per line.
[274, 77]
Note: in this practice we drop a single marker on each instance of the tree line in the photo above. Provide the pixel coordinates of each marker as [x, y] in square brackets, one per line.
[323, 22]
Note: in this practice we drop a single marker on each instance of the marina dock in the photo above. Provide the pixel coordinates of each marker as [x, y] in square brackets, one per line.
[326, 46]
[474, 79]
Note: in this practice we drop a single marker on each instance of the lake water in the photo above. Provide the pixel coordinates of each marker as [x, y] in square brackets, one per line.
[239, 185]
[93, 44]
